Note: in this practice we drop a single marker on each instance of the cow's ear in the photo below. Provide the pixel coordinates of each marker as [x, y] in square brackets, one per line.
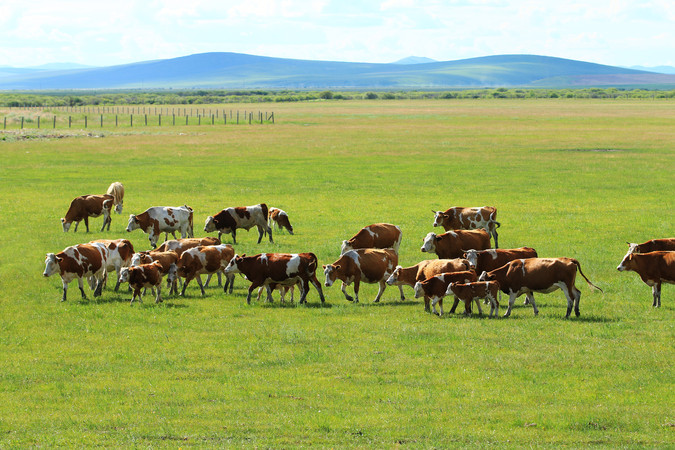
[324, 267]
[336, 267]
[242, 255]
[63, 220]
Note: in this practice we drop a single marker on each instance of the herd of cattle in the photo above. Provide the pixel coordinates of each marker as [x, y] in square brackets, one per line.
[467, 268]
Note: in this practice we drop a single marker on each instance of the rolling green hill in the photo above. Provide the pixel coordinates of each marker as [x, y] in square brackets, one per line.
[241, 71]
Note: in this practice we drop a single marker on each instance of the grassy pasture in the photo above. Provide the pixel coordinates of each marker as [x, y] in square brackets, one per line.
[570, 178]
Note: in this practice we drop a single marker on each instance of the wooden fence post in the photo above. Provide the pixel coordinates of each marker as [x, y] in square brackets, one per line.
[70, 121]
[54, 121]
[160, 119]
[131, 117]
[101, 120]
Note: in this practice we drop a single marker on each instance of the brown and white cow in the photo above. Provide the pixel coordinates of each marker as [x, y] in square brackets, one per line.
[458, 218]
[377, 235]
[196, 261]
[143, 276]
[78, 261]
[279, 218]
[86, 206]
[166, 259]
[653, 245]
[163, 219]
[435, 288]
[283, 269]
[468, 292]
[120, 252]
[408, 276]
[230, 219]
[453, 243]
[368, 265]
[545, 275]
[654, 268]
[490, 259]
[116, 189]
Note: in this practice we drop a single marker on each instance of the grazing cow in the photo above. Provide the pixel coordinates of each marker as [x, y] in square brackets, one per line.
[120, 252]
[143, 276]
[117, 191]
[653, 245]
[279, 218]
[408, 276]
[452, 244]
[86, 206]
[166, 259]
[545, 275]
[435, 288]
[458, 218]
[369, 265]
[196, 261]
[283, 269]
[654, 268]
[230, 219]
[377, 235]
[165, 219]
[468, 292]
[78, 261]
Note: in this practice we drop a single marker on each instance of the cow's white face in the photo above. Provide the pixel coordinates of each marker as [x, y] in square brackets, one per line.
[133, 223]
[233, 266]
[472, 257]
[485, 277]
[624, 262]
[448, 291]
[393, 278]
[66, 225]
[330, 271]
[173, 274]
[124, 275]
[51, 265]
[438, 218]
[136, 260]
[419, 291]
[118, 208]
[345, 248]
[210, 224]
[429, 245]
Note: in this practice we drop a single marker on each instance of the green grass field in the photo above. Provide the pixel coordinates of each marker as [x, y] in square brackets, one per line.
[570, 178]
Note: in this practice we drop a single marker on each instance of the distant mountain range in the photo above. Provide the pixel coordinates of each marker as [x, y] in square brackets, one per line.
[242, 71]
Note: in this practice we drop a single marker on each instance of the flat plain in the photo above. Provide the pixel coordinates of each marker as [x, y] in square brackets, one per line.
[575, 178]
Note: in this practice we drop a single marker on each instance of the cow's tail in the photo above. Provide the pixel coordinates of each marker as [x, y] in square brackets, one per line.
[191, 229]
[587, 280]
[313, 264]
[265, 211]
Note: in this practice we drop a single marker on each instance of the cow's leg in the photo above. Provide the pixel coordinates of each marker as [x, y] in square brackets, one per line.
[494, 306]
[400, 288]
[480, 311]
[529, 298]
[86, 222]
[454, 305]
[65, 290]
[270, 299]
[438, 300]
[269, 231]
[159, 293]
[99, 285]
[512, 300]
[201, 286]
[427, 301]
[250, 291]
[317, 285]
[383, 286]
[344, 291]
[185, 285]
[229, 281]
[76, 225]
[260, 290]
[569, 296]
[357, 285]
[656, 293]
[304, 290]
[467, 306]
[494, 235]
[81, 286]
[117, 271]
[577, 299]
[534, 306]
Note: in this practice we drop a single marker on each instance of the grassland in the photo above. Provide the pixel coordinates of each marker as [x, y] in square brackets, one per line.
[570, 178]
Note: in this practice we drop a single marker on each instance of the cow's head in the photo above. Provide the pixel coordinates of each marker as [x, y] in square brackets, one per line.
[439, 217]
[51, 265]
[124, 274]
[139, 258]
[429, 245]
[633, 248]
[210, 224]
[472, 257]
[330, 271]
[118, 207]
[626, 262]
[393, 278]
[346, 246]
[233, 266]
[419, 290]
[449, 290]
[485, 276]
[172, 275]
[66, 225]
[133, 223]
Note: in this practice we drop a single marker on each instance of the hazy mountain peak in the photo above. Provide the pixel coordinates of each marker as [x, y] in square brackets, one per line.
[415, 60]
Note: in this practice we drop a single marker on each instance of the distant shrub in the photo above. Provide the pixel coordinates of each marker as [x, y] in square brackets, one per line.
[371, 96]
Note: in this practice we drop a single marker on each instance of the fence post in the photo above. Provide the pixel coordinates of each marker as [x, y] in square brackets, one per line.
[186, 120]
[131, 117]
[174, 118]
[70, 120]
[38, 122]
[200, 119]
[5, 126]
[146, 118]
[160, 119]
[22, 122]
[85, 121]
[54, 121]
[213, 119]
[101, 120]
[115, 120]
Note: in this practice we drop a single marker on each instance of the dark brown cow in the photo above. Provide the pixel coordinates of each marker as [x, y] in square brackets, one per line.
[282, 269]
[143, 276]
[86, 206]
[545, 275]
[453, 243]
[78, 261]
[166, 259]
[458, 218]
[653, 245]
[163, 219]
[196, 261]
[435, 288]
[654, 268]
[230, 219]
[468, 292]
[369, 265]
[408, 276]
[120, 252]
[279, 218]
[377, 235]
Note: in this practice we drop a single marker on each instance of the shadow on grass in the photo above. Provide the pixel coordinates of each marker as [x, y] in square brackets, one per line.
[279, 305]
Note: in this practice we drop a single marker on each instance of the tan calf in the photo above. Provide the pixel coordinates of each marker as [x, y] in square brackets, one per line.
[435, 288]
[408, 276]
[468, 292]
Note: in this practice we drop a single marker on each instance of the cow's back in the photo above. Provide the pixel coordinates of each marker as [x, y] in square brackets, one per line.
[434, 267]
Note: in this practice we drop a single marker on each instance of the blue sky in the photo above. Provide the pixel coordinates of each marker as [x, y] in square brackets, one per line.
[614, 32]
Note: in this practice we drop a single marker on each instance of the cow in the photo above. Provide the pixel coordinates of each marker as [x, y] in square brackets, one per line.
[120, 252]
[653, 268]
[408, 276]
[279, 218]
[458, 218]
[369, 265]
[166, 259]
[283, 269]
[452, 244]
[196, 261]
[180, 245]
[435, 288]
[167, 219]
[86, 206]
[377, 235]
[116, 189]
[545, 275]
[143, 276]
[230, 219]
[468, 292]
[78, 261]
[283, 290]
[653, 245]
